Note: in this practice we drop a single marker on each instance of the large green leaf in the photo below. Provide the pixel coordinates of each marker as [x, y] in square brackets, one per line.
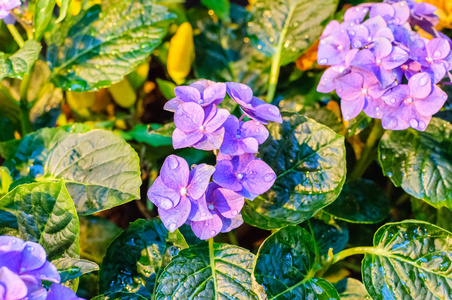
[328, 234]
[20, 63]
[361, 201]
[46, 215]
[111, 45]
[285, 267]
[27, 157]
[223, 51]
[309, 161]
[420, 161]
[220, 271]
[352, 289]
[100, 170]
[411, 260]
[288, 27]
[220, 7]
[71, 268]
[43, 15]
[120, 296]
[136, 258]
[441, 217]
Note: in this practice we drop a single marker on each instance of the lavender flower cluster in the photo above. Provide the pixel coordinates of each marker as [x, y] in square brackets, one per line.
[187, 196]
[381, 66]
[23, 267]
[5, 10]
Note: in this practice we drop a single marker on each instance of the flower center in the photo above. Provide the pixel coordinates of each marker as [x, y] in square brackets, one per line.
[200, 101]
[378, 61]
[202, 127]
[429, 59]
[240, 176]
[404, 67]
[183, 191]
[211, 207]
[408, 100]
[364, 91]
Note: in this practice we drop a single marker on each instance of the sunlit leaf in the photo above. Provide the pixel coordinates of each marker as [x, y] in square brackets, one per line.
[20, 63]
[71, 268]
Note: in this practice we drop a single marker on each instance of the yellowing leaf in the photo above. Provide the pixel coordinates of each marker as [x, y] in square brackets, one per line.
[181, 53]
[123, 93]
[80, 102]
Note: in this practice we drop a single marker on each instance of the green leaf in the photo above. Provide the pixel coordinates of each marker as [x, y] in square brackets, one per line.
[358, 124]
[441, 217]
[136, 258]
[46, 215]
[420, 161]
[411, 260]
[111, 45]
[43, 15]
[100, 170]
[309, 161]
[65, 4]
[288, 27]
[332, 234]
[70, 268]
[352, 289]
[27, 157]
[5, 180]
[167, 88]
[119, 296]
[361, 201]
[220, 271]
[324, 116]
[96, 234]
[285, 267]
[20, 63]
[159, 137]
[220, 7]
[223, 53]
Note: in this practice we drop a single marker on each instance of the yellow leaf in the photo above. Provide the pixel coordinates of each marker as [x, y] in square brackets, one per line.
[80, 102]
[181, 53]
[123, 94]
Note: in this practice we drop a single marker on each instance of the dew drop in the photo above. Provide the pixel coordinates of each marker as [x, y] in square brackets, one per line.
[212, 232]
[323, 61]
[183, 191]
[273, 111]
[30, 248]
[206, 224]
[389, 174]
[269, 177]
[173, 163]
[392, 100]
[414, 123]
[383, 157]
[201, 101]
[172, 227]
[234, 212]
[437, 53]
[238, 136]
[351, 32]
[240, 176]
[202, 128]
[423, 80]
[164, 203]
[257, 130]
[421, 125]
[211, 207]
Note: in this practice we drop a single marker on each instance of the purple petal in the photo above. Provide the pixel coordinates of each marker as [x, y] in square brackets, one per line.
[172, 104]
[432, 103]
[402, 12]
[199, 179]
[210, 141]
[333, 49]
[263, 112]
[162, 196]
[326, 84]
[373, 107]
[397, 57]
[47, 272]
[188, 94]
[189, 117]
[241, 162]
[184, 140]
[247, 145]
[59, 292]
[230, 145]
[227, 203]
[202, 84]
[438, 48]
[382, 9]
[436, 71]
[374, 25]
[199, 210]
[350, 109]
[381, 48]
[225, 176]
[33, 257]
[240, 93]
[396, 95]
[332, 26]
[350, 86]
[255, 130]
[359, 36]
[214, 123]
[208, 228]
[214, 93]
[230, 224]
[420, 85]
[175, 172]
[14, 286]
[11, 243]
[258, 177]
[357, 13]
[176, 217]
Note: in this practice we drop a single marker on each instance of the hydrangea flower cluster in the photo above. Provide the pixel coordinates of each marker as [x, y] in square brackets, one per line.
[5, 7]
[23, 266]
[379, 65]
[188, 196]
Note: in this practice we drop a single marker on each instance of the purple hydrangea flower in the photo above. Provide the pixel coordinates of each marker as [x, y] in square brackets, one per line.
[197, 127]
[23, 266]
[412, 105]
[6, 6]
[244, 174]
[224, 208]
[253, 107]
[334, 48]
[242, 137]
[396, 13]
[431, 55]
[59, 292]
[202, 92]
[177, 189]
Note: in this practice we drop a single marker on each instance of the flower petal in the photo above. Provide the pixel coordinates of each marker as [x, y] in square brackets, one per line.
[225, 176]
[33, 257]
[189, 117]
[227, 202]
[214, 93]
[214, 123]
[176, 217]
[349, 86]
[199, 210]
[187, 94]
[255, 130]
[350, 109]
[184, 140]
[240, 93]
[432, 103]
[396, 95]
[230, 224]
[199, 179]
[14, 286]
[210, 141]
[420, 85]
[247, 145]
[208, 228]
[58, 292]
[172, 104]
[258, 177]
[175, 172]
[438, 48]
[396, 58]
[47, 272]
[163, 196]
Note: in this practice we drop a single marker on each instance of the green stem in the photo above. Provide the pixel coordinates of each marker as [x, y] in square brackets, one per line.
[352, 251]
[25, 113]
[16, 35]
[369, 151]
[212, 266]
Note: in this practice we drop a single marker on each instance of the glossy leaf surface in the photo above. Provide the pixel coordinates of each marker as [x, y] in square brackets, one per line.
[352, 289]
[20, 63]
[70, 268]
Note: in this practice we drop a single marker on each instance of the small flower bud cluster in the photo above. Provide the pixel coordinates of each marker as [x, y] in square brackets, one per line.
[379, 65]
[187, 196]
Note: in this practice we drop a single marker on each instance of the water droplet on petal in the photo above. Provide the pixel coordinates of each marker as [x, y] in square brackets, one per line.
[30, 248]
[173, 163]
[206, 224]
[273, 111]
[164, 203]
[211, 207]
[200, 101]
[212, 232]
[240, 176]
[421, 125]
[269, 177]
[323, 61]
[414, 123]
[172, 227]
[234, 212]
[392, 100]
[437, 53]
[423, 80]
[351, 32]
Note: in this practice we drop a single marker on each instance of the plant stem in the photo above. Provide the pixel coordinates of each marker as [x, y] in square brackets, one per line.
[212, 266]
[274, 75]
[352, 251]
[16, 35]
[369, 151]
[25, 113]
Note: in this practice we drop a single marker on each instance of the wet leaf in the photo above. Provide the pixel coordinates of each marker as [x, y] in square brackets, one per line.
[285, 267]
[420, 162]
[441, 217]
[136, 258]
[309, 161]
[411, 260]
[20, 63]
[120, 296]
[158, 137]
[70, 268]
[224, 272]
[358, 124]
[220, 7]
[352, 289]
[45, 214]
[328, 235]
[360, 201]
[288, 27]
[109, 46]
